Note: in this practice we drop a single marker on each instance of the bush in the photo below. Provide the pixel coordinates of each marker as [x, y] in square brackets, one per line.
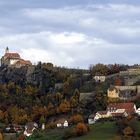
[81, 129]
[128, 131]
[76, 119]
[21, 137]
[51, 125]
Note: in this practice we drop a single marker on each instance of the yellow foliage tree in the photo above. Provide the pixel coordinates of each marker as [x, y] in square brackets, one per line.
[128, 131]
[1, 137]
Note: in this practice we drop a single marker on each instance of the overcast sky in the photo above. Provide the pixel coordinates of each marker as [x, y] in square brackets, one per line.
[73, 33]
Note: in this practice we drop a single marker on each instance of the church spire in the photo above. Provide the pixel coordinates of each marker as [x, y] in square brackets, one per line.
[7, 50]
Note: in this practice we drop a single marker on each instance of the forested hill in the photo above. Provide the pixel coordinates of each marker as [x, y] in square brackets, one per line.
[42, 77]
[30, 93]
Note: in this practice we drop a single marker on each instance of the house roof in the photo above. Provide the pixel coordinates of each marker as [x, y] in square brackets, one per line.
[92, 116]
[102, 112]
[11, 55]
[129, 107]
[61, 121]
[31, 125]
[23, 62]
[112, 88]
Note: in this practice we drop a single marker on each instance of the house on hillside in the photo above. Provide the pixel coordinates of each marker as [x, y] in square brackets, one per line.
[13, 128]
[13, 59]
[123, 92]
[138, 111]
[113, 92]
[123, 108]
[99, 78]
[99, 115]
[30, 128]
[114, 110]
[62, 123]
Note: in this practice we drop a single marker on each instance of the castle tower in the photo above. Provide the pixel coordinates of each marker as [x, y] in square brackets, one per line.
[7, 50]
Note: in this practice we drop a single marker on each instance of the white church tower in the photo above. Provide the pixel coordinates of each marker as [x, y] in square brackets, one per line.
[7, 50]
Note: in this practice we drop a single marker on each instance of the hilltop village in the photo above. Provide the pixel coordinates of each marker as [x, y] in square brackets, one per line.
[44, 101]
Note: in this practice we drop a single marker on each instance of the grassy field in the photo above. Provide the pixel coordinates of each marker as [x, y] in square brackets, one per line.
[55, 134]
[100, 131]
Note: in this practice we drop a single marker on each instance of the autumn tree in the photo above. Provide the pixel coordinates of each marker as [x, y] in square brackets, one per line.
[128, 131]
[1, 116]
[1, 137]
[81, 129]
[66, 88]
[77, 94]
[51, 109]
[117, 81]
[76, 118]
[64, 106]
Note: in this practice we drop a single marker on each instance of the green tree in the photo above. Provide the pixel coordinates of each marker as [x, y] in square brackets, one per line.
[42, 120]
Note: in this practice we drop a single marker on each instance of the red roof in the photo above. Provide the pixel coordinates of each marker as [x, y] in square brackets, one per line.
[102, 112]
[11, 55]
[23, 62]
[129, 107]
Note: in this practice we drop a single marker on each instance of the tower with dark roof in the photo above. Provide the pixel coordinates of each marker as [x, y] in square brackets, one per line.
[7, 50]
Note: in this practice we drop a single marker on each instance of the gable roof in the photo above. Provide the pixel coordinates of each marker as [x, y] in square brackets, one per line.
[23, 62]
[102, 112]
[11, 55]
[129, 107]
[61, 121]
[112, 88]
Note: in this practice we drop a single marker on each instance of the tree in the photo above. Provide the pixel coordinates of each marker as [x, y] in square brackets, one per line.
[76, 119]
[73, 102]
[21, 137]
[64, 107]
[114, 68]
[1, 137]
[128, 131]
[100, 68]
[42, 120]
[77, 94]
[81, 129]
[66, 88]
[58, 97]
[1, 116]
[117, 81]
[51, 109]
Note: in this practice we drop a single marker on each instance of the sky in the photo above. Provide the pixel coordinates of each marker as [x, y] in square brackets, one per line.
[72, 33]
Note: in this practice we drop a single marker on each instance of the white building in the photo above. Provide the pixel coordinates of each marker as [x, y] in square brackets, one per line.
[62, 123]
[99, 78]
[13, 59]
[138, 111]
[114, 110]
[29, 128]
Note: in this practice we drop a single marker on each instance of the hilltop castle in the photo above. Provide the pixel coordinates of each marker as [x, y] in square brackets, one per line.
[13, 59]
